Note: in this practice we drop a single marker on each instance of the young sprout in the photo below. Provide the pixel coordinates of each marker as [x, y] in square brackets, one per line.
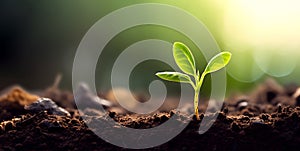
[186, 62]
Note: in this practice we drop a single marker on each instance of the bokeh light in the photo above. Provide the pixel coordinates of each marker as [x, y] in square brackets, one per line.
[269, 29]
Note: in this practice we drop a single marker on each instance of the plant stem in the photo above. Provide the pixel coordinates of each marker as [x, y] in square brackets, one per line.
[196, 99]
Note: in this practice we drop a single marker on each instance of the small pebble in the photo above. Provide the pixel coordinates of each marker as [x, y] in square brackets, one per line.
[45, 104]
[242, 104]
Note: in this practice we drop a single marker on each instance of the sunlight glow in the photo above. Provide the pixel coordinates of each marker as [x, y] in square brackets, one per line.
[264, 22]
[271, 29]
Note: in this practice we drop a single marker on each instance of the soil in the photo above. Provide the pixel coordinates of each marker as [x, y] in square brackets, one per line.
[266, 119]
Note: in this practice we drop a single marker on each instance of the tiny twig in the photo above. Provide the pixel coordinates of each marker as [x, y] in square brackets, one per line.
[57, 81]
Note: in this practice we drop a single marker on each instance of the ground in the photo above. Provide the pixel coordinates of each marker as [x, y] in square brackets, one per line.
[266, 119]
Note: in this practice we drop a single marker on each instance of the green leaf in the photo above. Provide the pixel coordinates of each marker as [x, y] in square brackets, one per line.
[174, 77]
[218, 62]
[184, 58]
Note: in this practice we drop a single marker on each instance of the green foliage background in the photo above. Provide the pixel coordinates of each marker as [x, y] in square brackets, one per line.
[39, 39]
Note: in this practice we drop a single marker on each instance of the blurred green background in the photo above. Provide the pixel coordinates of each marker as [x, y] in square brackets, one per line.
[38, 40]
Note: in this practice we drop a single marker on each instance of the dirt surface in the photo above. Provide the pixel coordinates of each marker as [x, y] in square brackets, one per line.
[266, 119]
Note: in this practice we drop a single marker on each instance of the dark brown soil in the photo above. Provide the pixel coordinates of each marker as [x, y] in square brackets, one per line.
[267, 119]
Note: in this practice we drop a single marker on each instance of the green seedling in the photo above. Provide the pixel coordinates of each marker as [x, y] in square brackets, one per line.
[186, 62]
